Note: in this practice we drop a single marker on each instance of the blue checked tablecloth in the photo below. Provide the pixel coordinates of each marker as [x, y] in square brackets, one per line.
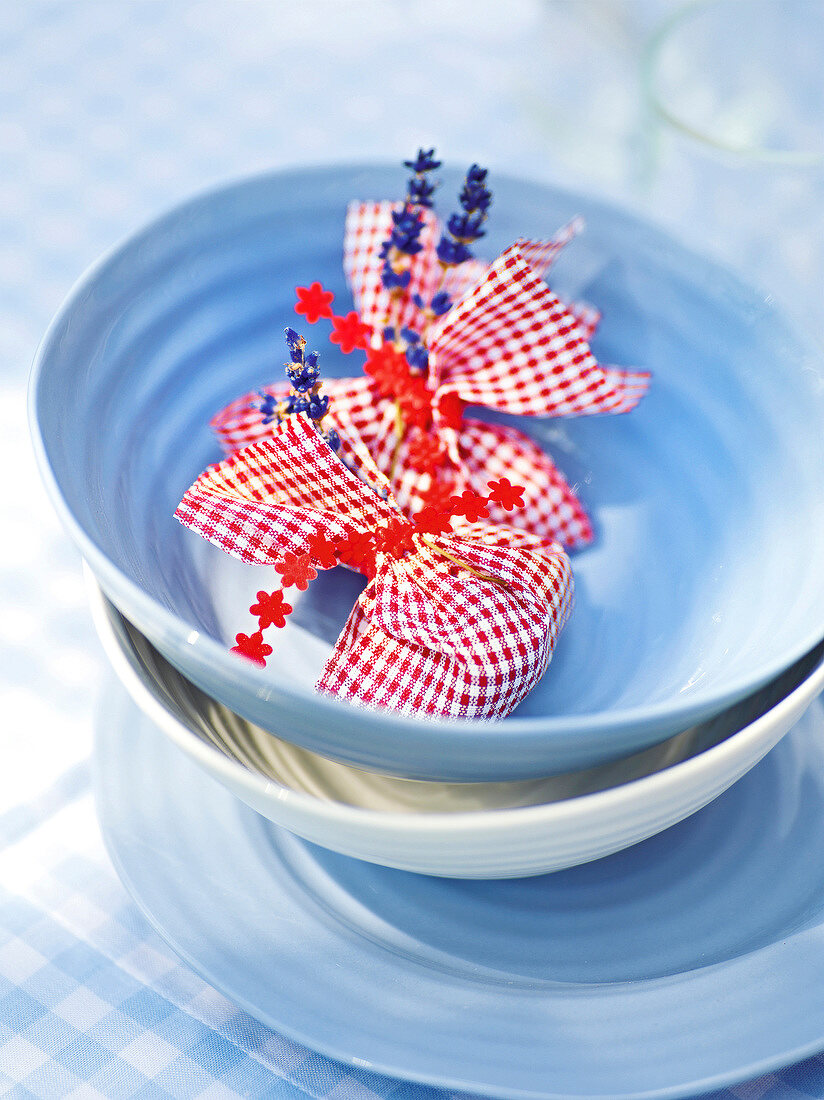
[109, 113]
[93, 1004]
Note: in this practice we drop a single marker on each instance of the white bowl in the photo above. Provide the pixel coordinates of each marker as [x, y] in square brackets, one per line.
[489, 830]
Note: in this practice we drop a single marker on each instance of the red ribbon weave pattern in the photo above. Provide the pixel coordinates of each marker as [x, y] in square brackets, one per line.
[463, 624]
[508, 343]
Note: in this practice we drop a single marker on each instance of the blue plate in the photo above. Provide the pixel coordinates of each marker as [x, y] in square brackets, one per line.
[685, 963]
[700, 586]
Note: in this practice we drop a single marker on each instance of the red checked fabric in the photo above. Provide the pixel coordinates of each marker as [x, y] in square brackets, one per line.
[427, 636]
[507, 344]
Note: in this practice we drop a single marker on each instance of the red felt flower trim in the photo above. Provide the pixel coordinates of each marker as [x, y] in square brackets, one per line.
[395, 539]
[439, 493]
[425, 452]
[432, 521]
[451, 408]
[357, 550]
[471, 505]
[271, 609]
[506, 494]
[415, 402]
[387, 367]
[350, 332]
[253, 647]
[322, 551]
[296, 569]
[314, 302]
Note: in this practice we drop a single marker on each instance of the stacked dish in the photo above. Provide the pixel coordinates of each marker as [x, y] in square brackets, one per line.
[476, 830]
[698, 589]
[690, 654]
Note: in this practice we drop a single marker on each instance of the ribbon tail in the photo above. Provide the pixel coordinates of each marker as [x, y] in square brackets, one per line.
[551, 509]
[240, 423]
[629, 387]
[541, 255]
[512, 345]
[274, 495]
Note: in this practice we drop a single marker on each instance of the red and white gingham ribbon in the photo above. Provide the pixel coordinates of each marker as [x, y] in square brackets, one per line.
[427, 635]
[508, 344]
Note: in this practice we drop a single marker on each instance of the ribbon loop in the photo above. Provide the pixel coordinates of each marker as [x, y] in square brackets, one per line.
[429, 634]
[274, 495]
[511, 344]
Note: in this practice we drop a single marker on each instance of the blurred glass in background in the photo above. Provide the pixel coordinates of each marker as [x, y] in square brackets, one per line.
[735, 90]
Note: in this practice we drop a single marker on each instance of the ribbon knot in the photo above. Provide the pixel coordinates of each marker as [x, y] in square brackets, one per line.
[458, 623]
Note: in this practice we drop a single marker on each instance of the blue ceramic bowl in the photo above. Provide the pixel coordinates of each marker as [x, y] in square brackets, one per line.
[704, 581]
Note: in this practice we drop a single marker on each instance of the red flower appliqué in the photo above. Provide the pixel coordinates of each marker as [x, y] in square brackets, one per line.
[253, 647]
[471, 505]
[425, 451]
[451, 408]
[350, 332]
[357, 551]
[322, 550]
[432, 520]
[395, 539]
[415, 402]
[387, 367]
[439, 493]
[314, 302]
[271, 609]
[506, 494]
[296, 569]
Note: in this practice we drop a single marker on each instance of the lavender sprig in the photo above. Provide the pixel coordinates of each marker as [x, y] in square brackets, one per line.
[304, 396]
[407, 223]
[465, 227]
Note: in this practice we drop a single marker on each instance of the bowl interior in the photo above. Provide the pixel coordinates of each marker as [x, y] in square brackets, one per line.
[700, 585]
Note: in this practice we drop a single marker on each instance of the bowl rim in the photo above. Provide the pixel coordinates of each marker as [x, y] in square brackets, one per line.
[208, 653]
[580, 808]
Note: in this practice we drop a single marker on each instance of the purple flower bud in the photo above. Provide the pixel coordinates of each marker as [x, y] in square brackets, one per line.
[424, 162]
[318, 406]
[417, 356]
[392, 279]
[269, 408]
[452, 252]
[441, 303]
[296, 343]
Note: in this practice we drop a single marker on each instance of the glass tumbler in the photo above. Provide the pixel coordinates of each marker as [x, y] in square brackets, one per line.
[735, 141]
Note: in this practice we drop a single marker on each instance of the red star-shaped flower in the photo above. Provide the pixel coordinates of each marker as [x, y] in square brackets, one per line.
[350, 332]
[471, 505]
[253, 647]
[271, 609]
[432, 520]
[425, 451]
[395, 539]
[322, 551]
[387, 367]
[506, 494]
[314, 302]
[451, 408]
[415, 402]
[439, 493]
[357, 551]
[296, 569]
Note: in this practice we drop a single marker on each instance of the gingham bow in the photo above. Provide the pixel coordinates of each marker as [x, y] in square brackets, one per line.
[508, 343]
[460, 624]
